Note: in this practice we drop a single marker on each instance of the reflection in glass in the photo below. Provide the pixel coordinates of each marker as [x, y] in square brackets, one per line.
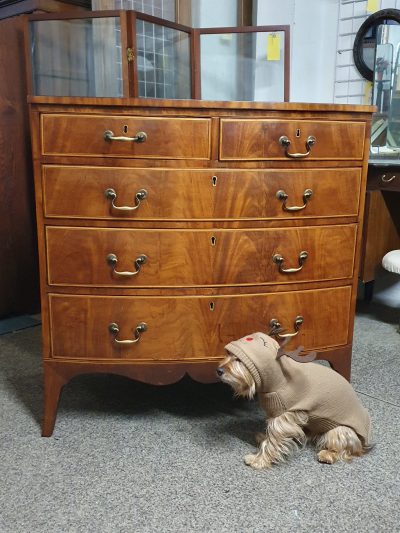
[242, 66]
[383, 77]
[165, 9]
[77, 57]
[163, 61]
[385, 134]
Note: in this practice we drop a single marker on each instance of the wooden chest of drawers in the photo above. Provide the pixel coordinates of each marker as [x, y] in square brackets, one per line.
[169, 228]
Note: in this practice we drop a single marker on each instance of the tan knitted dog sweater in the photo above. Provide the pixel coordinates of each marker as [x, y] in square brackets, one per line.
[286, 385]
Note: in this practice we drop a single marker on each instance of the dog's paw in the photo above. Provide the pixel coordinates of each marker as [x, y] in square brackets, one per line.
[256, 461]
[327, 457]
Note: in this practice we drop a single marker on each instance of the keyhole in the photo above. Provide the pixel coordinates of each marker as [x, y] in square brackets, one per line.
[298, 132]
[212, 306]
[214, 181]
[213, 240]
[125, 129]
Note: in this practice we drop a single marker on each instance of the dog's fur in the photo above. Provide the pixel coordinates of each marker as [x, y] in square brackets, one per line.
[284, 434]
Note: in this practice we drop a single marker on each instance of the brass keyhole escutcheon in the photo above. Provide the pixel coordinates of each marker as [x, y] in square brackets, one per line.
[212, 306]
[214, 180]
[213, 240]
[125, 129]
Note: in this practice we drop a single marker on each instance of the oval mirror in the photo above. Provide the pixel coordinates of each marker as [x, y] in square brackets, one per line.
[365, 40]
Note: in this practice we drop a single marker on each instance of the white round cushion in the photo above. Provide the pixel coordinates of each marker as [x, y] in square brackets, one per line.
[391, 261]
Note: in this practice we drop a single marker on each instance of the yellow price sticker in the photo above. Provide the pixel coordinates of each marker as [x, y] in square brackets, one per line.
[373, 5]
[367, 92]
[274, 47]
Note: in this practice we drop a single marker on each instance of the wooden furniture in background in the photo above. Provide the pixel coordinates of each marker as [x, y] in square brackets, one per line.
[381, 232]
[207, 225]
[19, 283]
[13, 8]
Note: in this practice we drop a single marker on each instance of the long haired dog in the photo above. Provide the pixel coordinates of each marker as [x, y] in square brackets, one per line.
[303, 401]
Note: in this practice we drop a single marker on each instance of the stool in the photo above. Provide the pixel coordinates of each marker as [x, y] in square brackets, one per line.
[391, 262]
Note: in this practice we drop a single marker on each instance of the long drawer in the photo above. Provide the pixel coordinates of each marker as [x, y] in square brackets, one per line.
[141, 257]
[92, 192]
[192, 327]
[167, 138]
[260, 139]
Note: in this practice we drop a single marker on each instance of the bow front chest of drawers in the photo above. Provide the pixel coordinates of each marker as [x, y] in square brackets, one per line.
[169, 228]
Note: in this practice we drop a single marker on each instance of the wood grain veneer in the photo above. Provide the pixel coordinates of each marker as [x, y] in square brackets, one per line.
[256, 139]
[179, 258]
[170, 138]
[78, 192]
[185, 327]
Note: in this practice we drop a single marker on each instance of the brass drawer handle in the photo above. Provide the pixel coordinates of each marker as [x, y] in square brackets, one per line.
[388, 180]
[276, 328]
[279, 260]
[140, 137]
[112, 260]
[282, 196]
[110, 194]
[114, 329]
[285, 141]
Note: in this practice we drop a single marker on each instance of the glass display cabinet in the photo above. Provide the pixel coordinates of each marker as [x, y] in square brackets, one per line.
[130, 54]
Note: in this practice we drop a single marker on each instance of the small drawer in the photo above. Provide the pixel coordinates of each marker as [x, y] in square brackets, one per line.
[189, 258]
[191, 327]
[255, 139]
[214, 194]
[157, 137]
[384, 179]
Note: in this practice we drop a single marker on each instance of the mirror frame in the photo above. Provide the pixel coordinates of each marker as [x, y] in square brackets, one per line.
[373, 20]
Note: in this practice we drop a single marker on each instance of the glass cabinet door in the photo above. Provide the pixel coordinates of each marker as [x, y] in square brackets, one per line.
[131, 54]
[249, 65]
[163, 61]
[76, 57]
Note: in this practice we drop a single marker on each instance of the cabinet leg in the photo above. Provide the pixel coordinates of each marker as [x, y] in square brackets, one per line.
[368, 291]
[53, 383]
[342, 365]
[339, 360]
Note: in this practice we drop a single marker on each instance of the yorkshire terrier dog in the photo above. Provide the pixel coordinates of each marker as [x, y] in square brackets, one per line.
[303, 401]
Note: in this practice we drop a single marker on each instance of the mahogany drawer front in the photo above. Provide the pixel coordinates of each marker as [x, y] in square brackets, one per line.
[255, 139]
[80, 192]
[167, 138]
[177, 258]
[186, 327]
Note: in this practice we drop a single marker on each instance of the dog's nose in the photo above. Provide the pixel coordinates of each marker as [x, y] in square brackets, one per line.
[219, 372]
